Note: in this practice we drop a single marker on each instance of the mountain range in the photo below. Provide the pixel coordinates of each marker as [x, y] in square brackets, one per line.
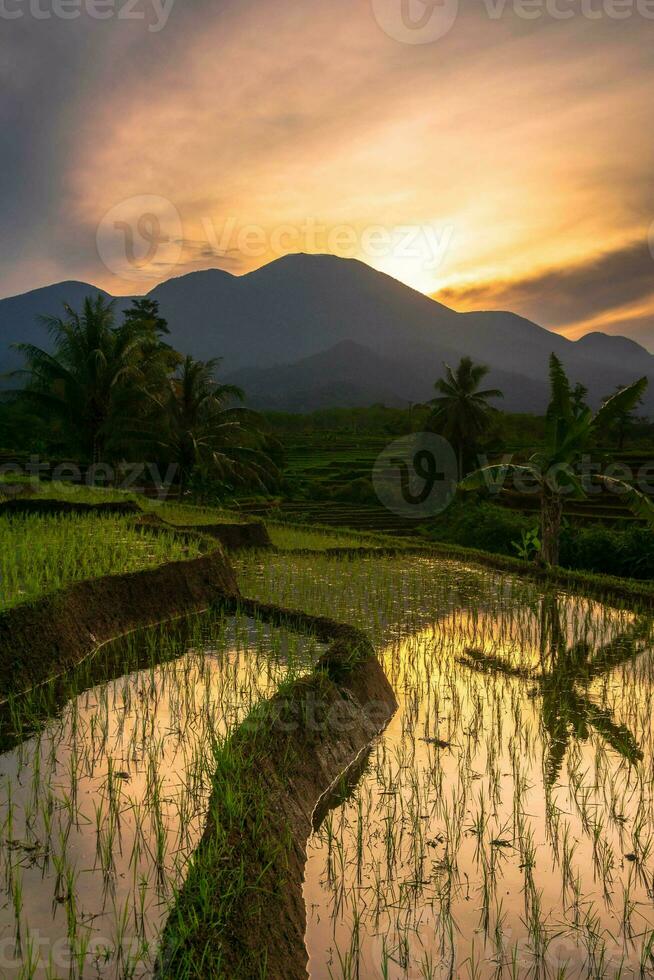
[313, 331]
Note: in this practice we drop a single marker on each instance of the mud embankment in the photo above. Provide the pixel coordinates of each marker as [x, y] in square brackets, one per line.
[41, 639]
[235, 536]
[49, 507]
[232, 535]
[241, 912]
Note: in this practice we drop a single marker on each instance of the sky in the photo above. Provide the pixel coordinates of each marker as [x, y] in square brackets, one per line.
[495, 154]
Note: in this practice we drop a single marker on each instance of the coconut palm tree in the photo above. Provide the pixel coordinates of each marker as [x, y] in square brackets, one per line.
[552, 471]
[206, 431]
[461, 411]
[99, 373]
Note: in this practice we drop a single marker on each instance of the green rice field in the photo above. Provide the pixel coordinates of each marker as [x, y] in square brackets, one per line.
[503, 825]
[102, 804]
[39, 555]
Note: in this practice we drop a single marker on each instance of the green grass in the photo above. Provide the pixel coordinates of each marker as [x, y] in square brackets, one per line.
[39, 555]
[317, 539]
[77, 492]
[81, 493]
[171, 511]
[190, 514]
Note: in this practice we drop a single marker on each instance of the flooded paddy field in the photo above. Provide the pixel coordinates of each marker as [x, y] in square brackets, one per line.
[504, 824]
[103, 803]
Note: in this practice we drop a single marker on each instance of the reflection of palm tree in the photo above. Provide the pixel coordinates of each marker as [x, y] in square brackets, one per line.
[563, 679]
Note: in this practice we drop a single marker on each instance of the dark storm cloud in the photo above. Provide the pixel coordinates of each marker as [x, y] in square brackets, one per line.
[54, 74]
[569, 294]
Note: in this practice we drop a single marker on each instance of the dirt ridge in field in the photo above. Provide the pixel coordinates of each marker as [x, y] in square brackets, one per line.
[233, 535]
[43, 638]
[241, 912]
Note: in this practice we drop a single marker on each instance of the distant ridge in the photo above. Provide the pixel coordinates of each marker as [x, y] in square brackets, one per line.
[308, 331]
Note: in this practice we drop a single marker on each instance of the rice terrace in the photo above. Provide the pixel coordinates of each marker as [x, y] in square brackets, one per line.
[238, 743]
[235, 747]
[326, 490]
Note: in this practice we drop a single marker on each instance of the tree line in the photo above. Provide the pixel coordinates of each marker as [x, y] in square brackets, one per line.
[114, 389]
[462, 411]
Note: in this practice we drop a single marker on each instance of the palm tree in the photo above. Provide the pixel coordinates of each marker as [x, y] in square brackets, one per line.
[205, 430]
[461, 412]
[552, 470]
[99, 373]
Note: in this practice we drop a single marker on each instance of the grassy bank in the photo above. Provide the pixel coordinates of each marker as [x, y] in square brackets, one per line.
[625, 551]
[241, 911]
[41, 555]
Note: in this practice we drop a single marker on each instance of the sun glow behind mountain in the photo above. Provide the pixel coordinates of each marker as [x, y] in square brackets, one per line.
[257, 122]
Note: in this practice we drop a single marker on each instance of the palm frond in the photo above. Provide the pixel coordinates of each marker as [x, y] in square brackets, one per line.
[491, 476]
[623, 401]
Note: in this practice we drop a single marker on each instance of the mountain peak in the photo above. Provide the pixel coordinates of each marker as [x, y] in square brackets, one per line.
[355, 332]
[206, 277]
[598, 341]
[73, 286]
[313, 264]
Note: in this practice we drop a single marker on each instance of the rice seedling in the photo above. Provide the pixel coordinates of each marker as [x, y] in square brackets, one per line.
[503, 824]
[502, 820]
[91, 853]
[39, 555]
[296, 538]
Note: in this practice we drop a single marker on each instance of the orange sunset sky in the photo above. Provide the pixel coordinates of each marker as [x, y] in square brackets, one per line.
[506, 164]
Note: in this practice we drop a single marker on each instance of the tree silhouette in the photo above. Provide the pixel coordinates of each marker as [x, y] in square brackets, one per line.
[552, 471]
[461, 411]
[100, 374]
[205, 430]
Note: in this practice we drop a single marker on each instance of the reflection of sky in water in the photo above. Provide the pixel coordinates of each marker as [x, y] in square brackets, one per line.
[478, 662]
[490, 834]
[105, 848]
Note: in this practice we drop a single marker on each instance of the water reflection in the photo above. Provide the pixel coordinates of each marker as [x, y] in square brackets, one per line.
[103, 804]
[505, 824]
[563, 681]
